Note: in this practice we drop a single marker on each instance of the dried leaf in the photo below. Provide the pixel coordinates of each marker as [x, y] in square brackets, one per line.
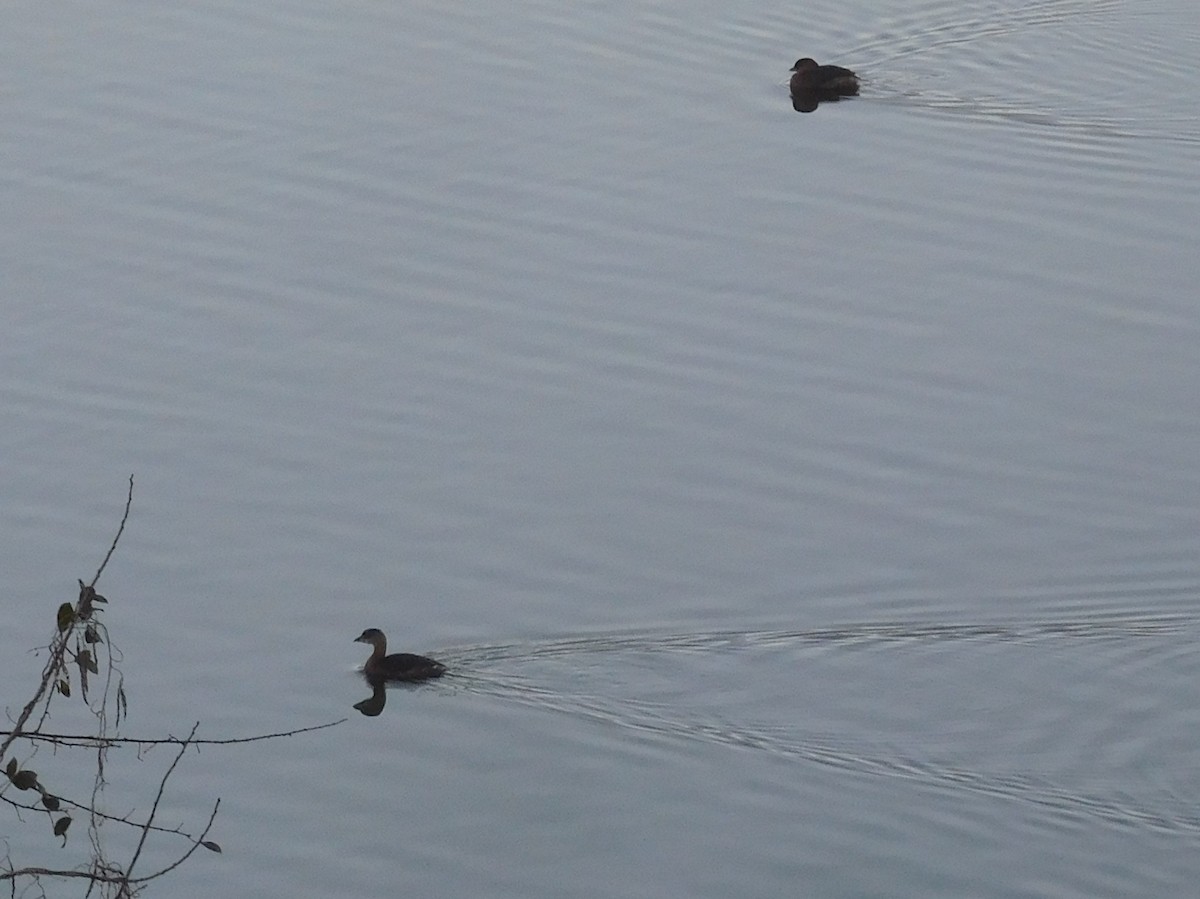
[66, 616]
[50, 802]
[90, 635]
[210, 845]
[60, 827]
[25, 780]
[64, 687]
[11, 769]
[86, 662]
[87, 596]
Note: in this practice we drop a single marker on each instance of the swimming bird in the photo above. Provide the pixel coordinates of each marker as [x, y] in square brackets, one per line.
[398, 666]
[826, 82]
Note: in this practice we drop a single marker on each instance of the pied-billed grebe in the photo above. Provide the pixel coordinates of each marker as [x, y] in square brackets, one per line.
[398, 666]
[825, 81]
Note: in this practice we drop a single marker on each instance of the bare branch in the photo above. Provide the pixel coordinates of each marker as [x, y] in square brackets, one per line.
[114, 875]
[81, 641]
[58, 646]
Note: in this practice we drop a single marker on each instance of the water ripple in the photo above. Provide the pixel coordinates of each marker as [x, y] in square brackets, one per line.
[1112, 627]
[1158, 810]
[1095, 91]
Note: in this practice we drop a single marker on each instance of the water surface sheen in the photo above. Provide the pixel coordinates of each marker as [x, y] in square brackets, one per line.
[796, 498]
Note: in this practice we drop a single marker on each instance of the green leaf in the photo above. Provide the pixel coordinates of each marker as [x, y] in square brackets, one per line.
[60, 827]
[64, 687]
[50, 802]
[66, 616]
[11, 769]
[90, 634]
[210, 845]
[25, 780]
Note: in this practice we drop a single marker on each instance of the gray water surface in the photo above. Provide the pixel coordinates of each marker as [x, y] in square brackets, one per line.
[806, 504]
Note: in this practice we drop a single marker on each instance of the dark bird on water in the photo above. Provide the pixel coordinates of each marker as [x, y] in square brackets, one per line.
[826, 82]
[399, 665]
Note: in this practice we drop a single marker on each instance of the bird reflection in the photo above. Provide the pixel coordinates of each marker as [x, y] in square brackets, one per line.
[805, 101]
[373, 704]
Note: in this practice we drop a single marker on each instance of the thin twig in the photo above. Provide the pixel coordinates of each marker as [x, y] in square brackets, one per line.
[162, 785]
[86, 740]
[51, 872]
[183, 858]
[116, 819]
[120, 531]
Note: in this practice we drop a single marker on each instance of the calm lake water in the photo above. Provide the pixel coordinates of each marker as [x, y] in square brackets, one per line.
[804, 503]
